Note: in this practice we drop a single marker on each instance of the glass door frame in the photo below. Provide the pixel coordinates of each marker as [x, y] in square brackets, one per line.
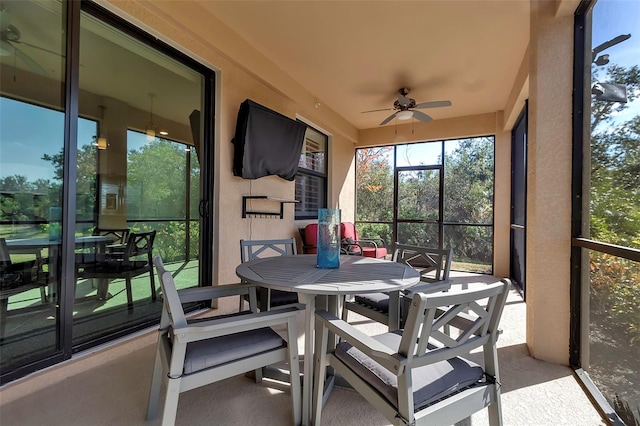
[397, 221]
[519, 131]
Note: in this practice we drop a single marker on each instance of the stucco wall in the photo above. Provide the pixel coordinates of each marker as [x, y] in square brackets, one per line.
[549, 183]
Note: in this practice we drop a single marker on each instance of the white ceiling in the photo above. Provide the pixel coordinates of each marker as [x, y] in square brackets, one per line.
[355, 55]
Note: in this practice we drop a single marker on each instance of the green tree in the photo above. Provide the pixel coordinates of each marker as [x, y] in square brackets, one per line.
[615, 164]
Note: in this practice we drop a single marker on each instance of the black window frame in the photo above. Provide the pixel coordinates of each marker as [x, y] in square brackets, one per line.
[302, 171]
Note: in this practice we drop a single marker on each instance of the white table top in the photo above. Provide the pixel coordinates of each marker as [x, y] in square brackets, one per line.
[356, 274]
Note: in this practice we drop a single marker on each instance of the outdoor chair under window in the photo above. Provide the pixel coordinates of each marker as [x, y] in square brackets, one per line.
[434, 266]
[255, 249]
[17, 278]
[309, 235]
[368, 247]
[118, 244]
[135, 260]
[419, 375]
[191, 354]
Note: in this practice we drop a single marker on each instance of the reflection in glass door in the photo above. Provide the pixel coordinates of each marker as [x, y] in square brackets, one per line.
[32, 135]
[77, 190]
[418, 206]
[138, 179]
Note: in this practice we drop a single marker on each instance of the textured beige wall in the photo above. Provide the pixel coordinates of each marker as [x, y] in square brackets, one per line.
[549, 183]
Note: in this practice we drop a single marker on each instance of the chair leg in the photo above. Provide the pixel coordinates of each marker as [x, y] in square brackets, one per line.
[129, 294]
[171, 402]
[320, 373]
[4, 307]
[265, 299]
[154, 296]
[156, 383]
[294, 371]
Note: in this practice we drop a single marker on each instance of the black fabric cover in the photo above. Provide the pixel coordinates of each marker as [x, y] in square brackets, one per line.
[266, 143]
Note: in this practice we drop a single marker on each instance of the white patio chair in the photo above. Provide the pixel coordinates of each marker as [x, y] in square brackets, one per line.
[193, 354]
[256, 249]
[434, 266]
[418, 375]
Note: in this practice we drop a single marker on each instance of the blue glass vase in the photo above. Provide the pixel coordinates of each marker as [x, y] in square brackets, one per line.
[55, 219]
[328, 238]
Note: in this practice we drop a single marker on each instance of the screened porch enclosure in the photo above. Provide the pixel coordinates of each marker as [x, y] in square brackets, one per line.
[431, 194]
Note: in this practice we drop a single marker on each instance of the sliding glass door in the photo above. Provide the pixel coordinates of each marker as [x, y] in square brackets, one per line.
[90, 163]
[32, 135]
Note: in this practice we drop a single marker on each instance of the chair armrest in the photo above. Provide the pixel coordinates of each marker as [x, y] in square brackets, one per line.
[382, 354]
[428, 287]
[344, 248]
[217, 327]
[378, 242]
[213, 292]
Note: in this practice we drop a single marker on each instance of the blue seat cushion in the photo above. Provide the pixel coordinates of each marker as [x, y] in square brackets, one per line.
[430, 382]
[379, 301]
[220, 350]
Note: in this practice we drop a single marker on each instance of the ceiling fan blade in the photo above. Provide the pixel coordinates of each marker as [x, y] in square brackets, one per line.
[39, 48]
[389, 118]
[434, 104]
[376, 110]
[421, 116]
[33, 65]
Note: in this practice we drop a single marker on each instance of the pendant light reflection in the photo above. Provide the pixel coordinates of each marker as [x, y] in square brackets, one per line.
[101, 140]
[150, 129]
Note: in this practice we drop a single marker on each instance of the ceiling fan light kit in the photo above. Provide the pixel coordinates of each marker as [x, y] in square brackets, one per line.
[406, 108]
[404, 115]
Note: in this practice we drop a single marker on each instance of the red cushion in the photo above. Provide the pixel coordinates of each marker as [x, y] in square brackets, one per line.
[371, 252]
[311, 238]
[348, 230]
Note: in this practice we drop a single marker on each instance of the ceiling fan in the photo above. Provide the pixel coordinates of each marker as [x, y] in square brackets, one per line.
[406, 108]
[10, 36]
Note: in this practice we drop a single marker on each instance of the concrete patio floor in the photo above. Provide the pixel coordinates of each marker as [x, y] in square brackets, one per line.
[110, 385]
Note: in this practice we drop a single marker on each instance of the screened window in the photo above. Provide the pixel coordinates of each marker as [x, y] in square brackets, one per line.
[433, 194]
[311, 180]
[607, 247]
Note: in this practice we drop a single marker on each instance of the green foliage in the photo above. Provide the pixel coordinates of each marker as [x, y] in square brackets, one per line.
[375, 230]
[468, 199]
[615, 204]
[156, 182]
[615, 165]
[615, 292]
[374, 180]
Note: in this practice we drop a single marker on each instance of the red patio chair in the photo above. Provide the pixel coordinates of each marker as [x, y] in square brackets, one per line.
[369, 247]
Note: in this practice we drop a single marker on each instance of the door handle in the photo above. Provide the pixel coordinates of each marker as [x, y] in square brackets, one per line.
[203, 208]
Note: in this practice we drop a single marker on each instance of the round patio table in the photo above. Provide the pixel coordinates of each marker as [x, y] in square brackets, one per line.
[299, 274]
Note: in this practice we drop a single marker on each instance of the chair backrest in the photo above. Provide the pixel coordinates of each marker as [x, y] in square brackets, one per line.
[172, 312]
[256, 249]
[429, 314]
[311, 238]
[348, 230]
[425, 260]
[120, 236]
[140, 243]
